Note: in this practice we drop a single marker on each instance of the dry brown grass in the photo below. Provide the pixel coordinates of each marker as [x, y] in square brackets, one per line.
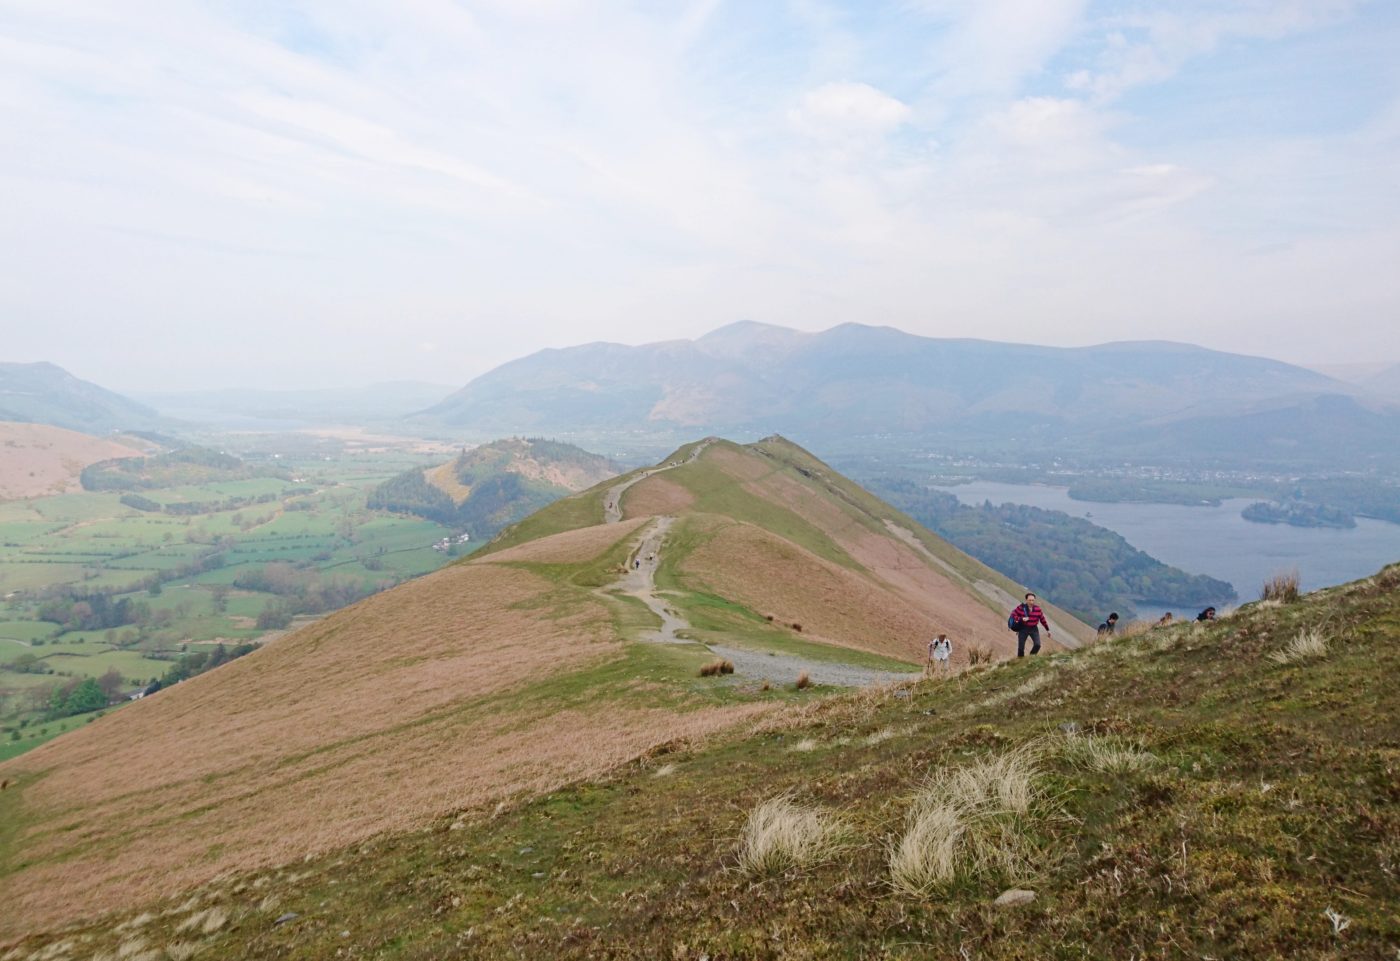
[37, 459]
[1111, 755]
[370, 720]
[1305, 645]
[968, 821]
[716, 668]
[1281, 587]
[831, 603]
[803, 681]
[1133, 629]
[980, 654]
[782, 835]
[570, 547]
[444, 478]
[655, 496]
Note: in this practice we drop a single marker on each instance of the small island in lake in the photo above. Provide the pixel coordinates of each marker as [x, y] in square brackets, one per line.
[1298, 514]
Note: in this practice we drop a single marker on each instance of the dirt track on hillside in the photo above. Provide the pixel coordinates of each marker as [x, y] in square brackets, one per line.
[640, 582]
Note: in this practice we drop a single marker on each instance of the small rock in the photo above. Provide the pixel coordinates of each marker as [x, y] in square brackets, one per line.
[345, 934]
[539, 874]
[284, 918]
[1011, 897]
[525, 850]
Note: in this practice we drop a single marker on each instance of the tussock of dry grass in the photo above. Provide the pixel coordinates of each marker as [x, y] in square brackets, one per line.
[968, 821]
[181, 950]
[716, 668]
[1308, 643]
[781, 835]
[1107, 754]
[1032, 684]
[879, 737]
[980, 654]
[1134, 629]
[1282, 587]
[803, 681]
[805, 745]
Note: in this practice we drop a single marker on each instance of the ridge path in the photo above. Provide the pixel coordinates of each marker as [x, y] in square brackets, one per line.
[640, 582]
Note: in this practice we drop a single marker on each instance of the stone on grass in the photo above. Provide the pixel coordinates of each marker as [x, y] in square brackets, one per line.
[1011, 897]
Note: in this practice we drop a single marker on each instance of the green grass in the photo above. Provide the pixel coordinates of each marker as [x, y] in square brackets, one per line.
[38, 732]
[1272, 799]
[94, 542]
[584, 509]
[717, 492]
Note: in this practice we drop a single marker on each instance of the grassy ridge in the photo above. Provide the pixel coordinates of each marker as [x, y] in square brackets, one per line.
[1264, 823]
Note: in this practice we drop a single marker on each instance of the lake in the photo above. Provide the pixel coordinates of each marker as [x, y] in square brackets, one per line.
[1217, 540]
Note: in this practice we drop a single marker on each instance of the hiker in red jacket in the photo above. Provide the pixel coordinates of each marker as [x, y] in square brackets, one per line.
[1027, 619]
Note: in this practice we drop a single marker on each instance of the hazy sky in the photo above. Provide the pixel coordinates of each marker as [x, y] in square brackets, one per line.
[322, 193]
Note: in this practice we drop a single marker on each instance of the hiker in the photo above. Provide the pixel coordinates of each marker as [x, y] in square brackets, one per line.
[1107, 628]
[940, 649]
[1025, 620]
[637, 564]
[1206, 615]
[1165, 620]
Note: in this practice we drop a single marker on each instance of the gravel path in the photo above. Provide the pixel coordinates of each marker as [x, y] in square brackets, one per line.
[640, 582]
[785, 668]
[612, 501]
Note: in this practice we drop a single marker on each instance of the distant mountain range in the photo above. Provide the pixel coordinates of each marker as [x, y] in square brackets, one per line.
[44, 393]
[272, 409]
[855, 384]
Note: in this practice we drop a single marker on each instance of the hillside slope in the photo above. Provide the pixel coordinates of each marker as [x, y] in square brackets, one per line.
[532, 664]
[45, 393]
[1189, 792]
[490, 486]
[766, 532]
[38, 459]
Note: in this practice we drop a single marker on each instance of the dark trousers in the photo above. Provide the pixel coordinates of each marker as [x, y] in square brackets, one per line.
[1021, 634]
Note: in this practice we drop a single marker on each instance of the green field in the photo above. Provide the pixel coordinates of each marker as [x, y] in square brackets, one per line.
[313, 519]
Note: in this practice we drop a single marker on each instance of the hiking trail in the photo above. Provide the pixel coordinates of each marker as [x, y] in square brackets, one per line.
[612, 500]
[640, 582]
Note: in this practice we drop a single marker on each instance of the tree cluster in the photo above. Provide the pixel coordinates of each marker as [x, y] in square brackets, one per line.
[300, 591]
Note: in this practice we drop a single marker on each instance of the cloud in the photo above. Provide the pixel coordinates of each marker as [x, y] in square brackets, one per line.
[992, 46]
[1153, 44]
[492, 177]
[846, 110]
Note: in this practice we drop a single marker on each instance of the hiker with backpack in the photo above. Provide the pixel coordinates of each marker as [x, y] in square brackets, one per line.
[1026, 620]
[1108, 627]
[940, 649]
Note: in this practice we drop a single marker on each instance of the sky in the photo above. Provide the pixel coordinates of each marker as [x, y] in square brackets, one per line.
[210, 193]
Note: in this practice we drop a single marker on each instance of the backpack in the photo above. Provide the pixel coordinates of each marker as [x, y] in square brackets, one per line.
[1013, 623]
